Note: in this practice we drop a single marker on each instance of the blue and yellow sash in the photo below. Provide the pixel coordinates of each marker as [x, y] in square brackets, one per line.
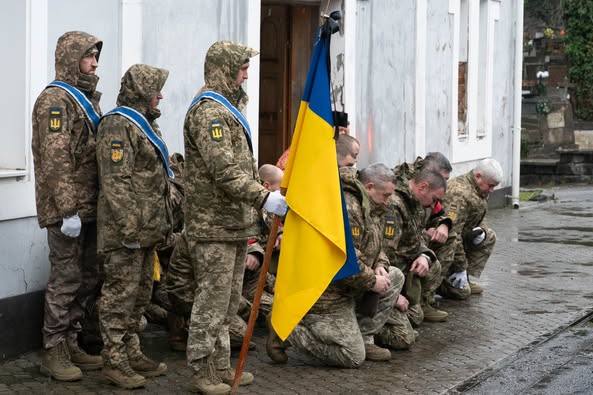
[217, 97]
[84, 103]
[142, 123]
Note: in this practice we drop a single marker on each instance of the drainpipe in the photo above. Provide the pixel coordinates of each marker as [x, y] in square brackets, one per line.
[517, 105]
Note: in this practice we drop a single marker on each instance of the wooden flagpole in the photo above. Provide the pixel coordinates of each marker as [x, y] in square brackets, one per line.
[256, 300]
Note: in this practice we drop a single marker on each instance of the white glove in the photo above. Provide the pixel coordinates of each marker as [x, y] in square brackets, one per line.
[132, 246]
[276, 203]
[480, 235]
[71, 226]
[459, 279]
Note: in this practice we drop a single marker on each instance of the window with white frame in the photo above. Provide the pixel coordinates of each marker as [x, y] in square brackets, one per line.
[473, 42]
[13, 101]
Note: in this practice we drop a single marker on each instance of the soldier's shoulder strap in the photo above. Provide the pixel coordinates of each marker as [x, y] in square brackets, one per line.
[217, 97]
[83, 102]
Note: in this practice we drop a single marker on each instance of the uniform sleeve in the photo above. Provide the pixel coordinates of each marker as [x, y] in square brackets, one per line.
[116, 148]
[365, 279]
[390, 244]
[456, 208]
[212, 136]
[55, 120]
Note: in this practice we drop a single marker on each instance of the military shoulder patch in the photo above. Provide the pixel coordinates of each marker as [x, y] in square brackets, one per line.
[55, 119]
[389, 228]
[452, 212]
[355, 232]
[216, 130]
[117, 151]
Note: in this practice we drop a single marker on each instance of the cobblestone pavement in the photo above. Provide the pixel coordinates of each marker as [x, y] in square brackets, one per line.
[538, 279]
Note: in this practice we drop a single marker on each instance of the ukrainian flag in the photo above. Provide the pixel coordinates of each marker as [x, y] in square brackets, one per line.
[317, 243]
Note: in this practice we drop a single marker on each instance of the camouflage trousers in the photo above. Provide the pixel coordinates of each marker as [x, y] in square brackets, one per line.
[369, 327]
[180, 282]
[445, 252]
[337, 337]
[397, 333]
[180, 286]
[473, 258]
[125, 294]
[218, 269]
[334, 338]
[73, 282]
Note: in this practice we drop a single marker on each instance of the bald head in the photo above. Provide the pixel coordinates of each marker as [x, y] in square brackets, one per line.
[271, 177]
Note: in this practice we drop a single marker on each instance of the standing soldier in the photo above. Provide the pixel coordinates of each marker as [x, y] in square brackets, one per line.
[134, 218]
[467, 204]
[65, 119]
[222, 195]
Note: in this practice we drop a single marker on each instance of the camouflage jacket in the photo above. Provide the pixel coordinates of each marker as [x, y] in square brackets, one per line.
[133, 198]
[63, 141]
[427, 219]
[466, 207]
[222, 188]
[405, 213]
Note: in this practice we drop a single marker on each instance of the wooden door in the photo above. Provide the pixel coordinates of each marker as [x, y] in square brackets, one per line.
[273, 82]
[287, 38]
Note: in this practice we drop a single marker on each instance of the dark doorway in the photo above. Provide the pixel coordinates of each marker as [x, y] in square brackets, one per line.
[287, 36]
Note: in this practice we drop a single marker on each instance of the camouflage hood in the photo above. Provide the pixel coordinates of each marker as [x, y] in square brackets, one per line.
[70, 49]
[223, 61]
[139, 85]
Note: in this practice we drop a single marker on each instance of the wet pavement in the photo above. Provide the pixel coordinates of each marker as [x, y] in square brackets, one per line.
[537, 282]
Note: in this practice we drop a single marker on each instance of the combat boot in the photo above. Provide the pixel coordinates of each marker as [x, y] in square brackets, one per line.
[446, 290]
[228, 375]
[476, 288]
[81, 359]
[55, 362]
[376, 353]
[123, 376]
[434, 315]
[147, 367]
[206, 381]
[177, 332]
[274, 347]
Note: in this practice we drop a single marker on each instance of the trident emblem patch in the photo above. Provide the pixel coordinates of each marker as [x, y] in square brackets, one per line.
[55, 119]
[216, 130]
[389, 227]
[117, 151]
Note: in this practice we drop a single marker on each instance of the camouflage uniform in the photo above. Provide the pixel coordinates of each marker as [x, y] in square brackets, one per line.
[222, 194]
[402, 247]
[132, 209]
[426, 220]
[467, 208]
[335, 330]
[66, 184]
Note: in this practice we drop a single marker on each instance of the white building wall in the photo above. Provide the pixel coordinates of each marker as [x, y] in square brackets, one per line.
[389, 94]
[176, 35]
[503, 88]
[385, 81]
[439, 69]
